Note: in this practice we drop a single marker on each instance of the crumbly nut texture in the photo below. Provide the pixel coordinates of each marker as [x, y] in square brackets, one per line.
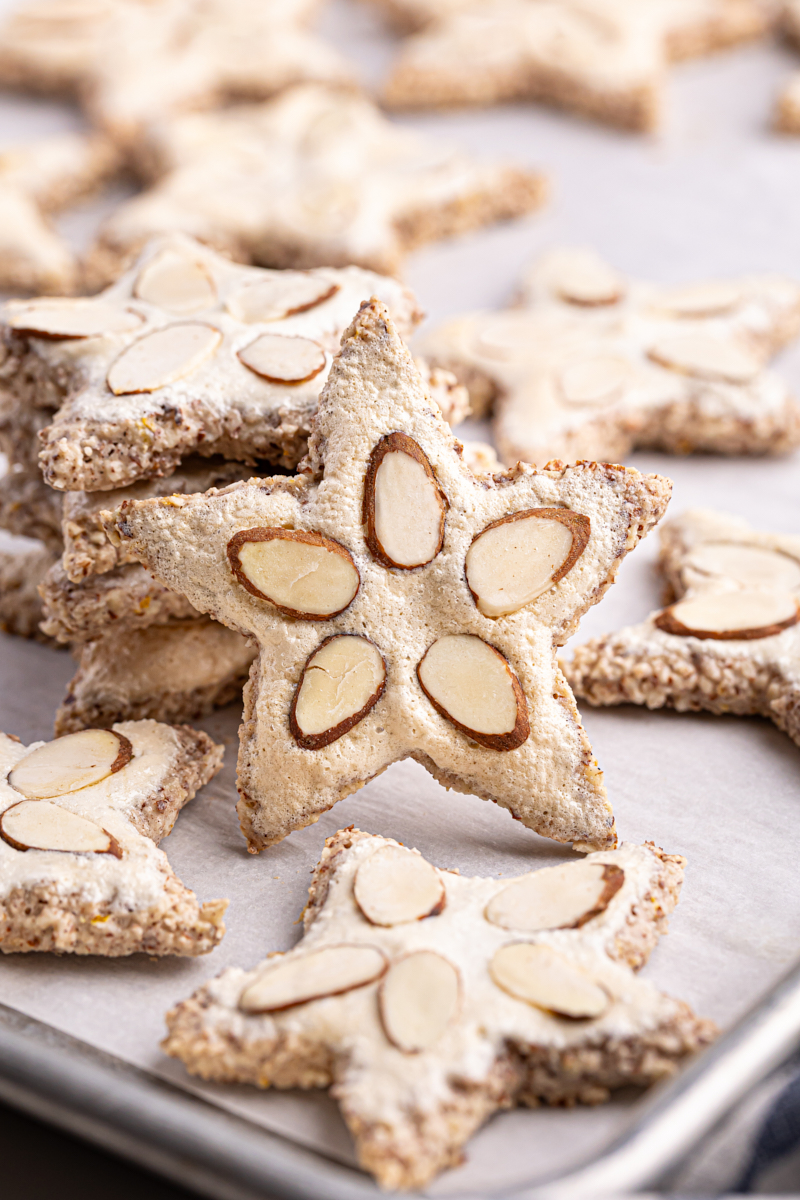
[131, 62]
[605, 59]
[175, 672]
[718, 559]
[22, 569]
[29, 508]
[411, 1112]
[787, 112]
[592, 364]
[315, 176]
[116, 902]
[174, 331]
[36, 180]
[124, 599]
[329, 579]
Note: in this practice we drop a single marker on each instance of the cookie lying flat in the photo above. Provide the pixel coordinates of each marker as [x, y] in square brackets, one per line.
[603, 58]
[787, 115]
[186, 352]
[314, 176]
[592, 364]
[175, 672]
[79, 821]
[729, 644]
[372, 633]
[131, 62]
[36, 180]
[509, 992]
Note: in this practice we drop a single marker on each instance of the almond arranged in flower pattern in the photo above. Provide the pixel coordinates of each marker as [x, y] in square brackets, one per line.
[419, 997]
[705, 357]
[281, 359]
[71, 318]
[595, 381]
[404, 507]
[326, 972]
[304, 574]
[341, 682]
[541, 976]
[70, 763]
[701, 299]
[42, 825]
[472, 685]
[514, 560]
[751, 566]
[587, 281]
[284, 295]
[176, 282]
[162, 357]
[729, 616]
[395, 885]
[563, 897]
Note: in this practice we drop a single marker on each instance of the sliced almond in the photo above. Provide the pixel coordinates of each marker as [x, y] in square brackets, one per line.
[281, 359]
[162, 357]
[705, 357]
[281, 295]
[516, 559]
[404, 507]
[745, 614]
[563, 897]
[71, 318]
[418, 999]
[752, 566]
[508, 335]
[595, 381]
[176, 282]
[303, 977]
[584, 279]
[42, 825]
[304, 574]
[70, 763]
[472, 685]
[341, 682]
[541, 976]
[395, 885]
[710, 299]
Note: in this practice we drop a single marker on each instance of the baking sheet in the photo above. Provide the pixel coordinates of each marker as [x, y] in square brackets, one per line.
[716, 194]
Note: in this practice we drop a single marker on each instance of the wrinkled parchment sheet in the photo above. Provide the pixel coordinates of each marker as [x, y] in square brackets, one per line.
[716, 194]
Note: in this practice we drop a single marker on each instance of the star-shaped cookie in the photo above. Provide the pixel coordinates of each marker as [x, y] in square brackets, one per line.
[403, 608]
[315, 176]
[427, 1000]
[730, 642]
[131, 62]
[80, 819]
[592, 364]
[787, 115]
[606, 59]
[187, 352]
[36, 180]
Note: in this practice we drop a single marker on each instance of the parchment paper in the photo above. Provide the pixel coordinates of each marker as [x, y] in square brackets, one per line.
[716, 194]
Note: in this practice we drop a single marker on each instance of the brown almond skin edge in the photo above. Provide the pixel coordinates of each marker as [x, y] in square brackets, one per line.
[114, 847]
[268, 534]
[279, 379]
[579, 525]
[613, 878]
[490, 741]
[316, 741]
[254, 1012]
[123, 758]
[666, 622]
[399, 443]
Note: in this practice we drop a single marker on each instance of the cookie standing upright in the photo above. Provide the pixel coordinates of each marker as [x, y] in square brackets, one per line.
[508, 992]
[606, 59]
[403, 608]
[730, 641]
[592, 364]
[80, 819]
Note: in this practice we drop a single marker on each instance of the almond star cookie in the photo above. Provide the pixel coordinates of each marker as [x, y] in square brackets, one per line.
[315, 176]
[403, 607]
[606, 59]
[729, 643]
[428, 1001]
[80, 819]
[592, 364]
[787, 115]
